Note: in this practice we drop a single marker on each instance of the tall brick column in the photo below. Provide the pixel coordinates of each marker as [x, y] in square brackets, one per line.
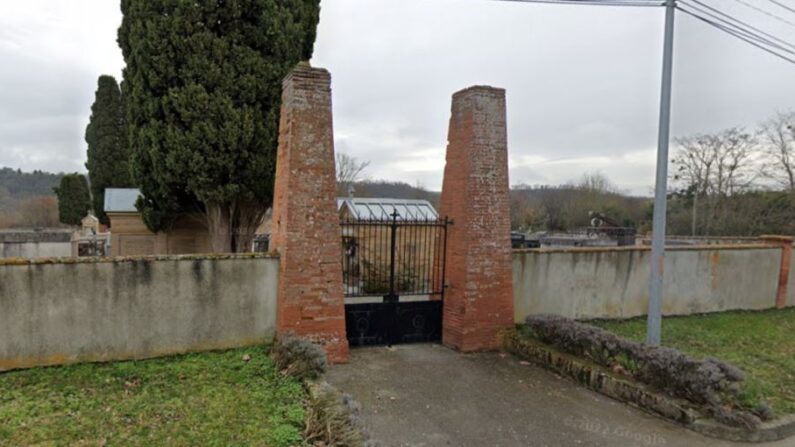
[305, 220]
[479, 300]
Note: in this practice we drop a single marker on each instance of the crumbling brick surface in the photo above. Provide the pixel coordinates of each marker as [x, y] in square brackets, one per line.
[479, 300]
[305, 222]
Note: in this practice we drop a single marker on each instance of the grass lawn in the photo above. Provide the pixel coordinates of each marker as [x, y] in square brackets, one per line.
[762, 344]
[208, 399]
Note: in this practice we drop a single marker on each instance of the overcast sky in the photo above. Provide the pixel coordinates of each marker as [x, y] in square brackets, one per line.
[582, 82]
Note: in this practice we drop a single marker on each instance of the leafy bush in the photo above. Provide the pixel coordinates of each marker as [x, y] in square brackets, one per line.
[710, 383]
[299, 357]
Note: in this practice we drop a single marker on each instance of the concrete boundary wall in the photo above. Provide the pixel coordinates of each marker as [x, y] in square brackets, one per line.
[34, 249]
[55, 311]
[613, 282]
[33, 244]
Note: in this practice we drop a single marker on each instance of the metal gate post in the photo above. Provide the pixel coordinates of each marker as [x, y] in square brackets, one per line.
[391, 299]
[447, 223]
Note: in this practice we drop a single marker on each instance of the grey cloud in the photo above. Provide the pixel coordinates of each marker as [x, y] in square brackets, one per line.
[581, 81]
[582, 85]
[43, 114]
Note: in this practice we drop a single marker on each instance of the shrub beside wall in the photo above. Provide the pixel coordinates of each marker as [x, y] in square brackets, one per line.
[332, 418]
[710, 384]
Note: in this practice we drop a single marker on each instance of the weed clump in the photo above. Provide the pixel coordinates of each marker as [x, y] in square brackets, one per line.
[333, 420]
[299, 357]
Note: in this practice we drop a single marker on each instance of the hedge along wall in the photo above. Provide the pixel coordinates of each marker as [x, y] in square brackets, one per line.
[55, 311]
[614, 282]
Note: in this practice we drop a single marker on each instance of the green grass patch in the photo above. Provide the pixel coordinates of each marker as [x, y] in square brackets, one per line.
[209, 399]
[761, 344]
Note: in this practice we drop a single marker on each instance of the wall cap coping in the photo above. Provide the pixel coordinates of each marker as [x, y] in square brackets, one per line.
[480, 89]
[29, 236]
[124, 259]
[639, 248]
[306, 72]
[775, 238]
[703, 238]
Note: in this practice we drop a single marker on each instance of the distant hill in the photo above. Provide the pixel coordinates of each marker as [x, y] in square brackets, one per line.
[17, 186]
[533, 208]
[395, 190]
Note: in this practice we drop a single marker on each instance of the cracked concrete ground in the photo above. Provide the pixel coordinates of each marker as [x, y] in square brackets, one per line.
[428, 395]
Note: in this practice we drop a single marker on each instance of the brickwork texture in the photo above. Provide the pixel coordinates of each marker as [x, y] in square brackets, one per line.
[305, 221]
[479, 301]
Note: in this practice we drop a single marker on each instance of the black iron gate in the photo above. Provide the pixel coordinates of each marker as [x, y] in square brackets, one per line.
[393, 275]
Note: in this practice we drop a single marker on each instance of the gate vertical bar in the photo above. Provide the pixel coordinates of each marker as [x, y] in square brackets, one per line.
[393, 248]
[443, 285]
[392, 298]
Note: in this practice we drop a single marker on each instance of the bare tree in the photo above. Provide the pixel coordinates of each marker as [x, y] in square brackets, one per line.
[714, 166]
[693, 168]
[596, 182]
[736, 150]
[349, 171]
[778, 141]
[527, 213]
[39, 212]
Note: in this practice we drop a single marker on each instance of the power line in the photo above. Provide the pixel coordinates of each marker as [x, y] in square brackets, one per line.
[718, 19]
[743, 33]
[776, 2]
[737, 34]
[746, 24]
[765, 12]
[652, 3]
[740, 26]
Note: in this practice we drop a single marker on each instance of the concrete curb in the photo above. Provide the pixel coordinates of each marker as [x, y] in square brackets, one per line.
[603, 381]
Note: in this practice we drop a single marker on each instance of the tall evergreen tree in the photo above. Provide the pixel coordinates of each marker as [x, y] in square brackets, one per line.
[203, 90]
[74, 200]
[108, 158]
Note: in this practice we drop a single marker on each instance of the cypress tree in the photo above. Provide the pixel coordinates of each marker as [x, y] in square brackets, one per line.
[203, 90]
[108, 158]
[74, 199]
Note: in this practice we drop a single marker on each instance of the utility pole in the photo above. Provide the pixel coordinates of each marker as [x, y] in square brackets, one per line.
[695, 214]
[654, 323]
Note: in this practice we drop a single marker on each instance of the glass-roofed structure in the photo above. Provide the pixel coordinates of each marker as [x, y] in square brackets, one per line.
[382, 209]
[372, 241]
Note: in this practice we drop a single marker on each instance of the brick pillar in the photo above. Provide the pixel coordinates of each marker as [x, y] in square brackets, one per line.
[479, 300]
[785, 242]
[305, 221]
